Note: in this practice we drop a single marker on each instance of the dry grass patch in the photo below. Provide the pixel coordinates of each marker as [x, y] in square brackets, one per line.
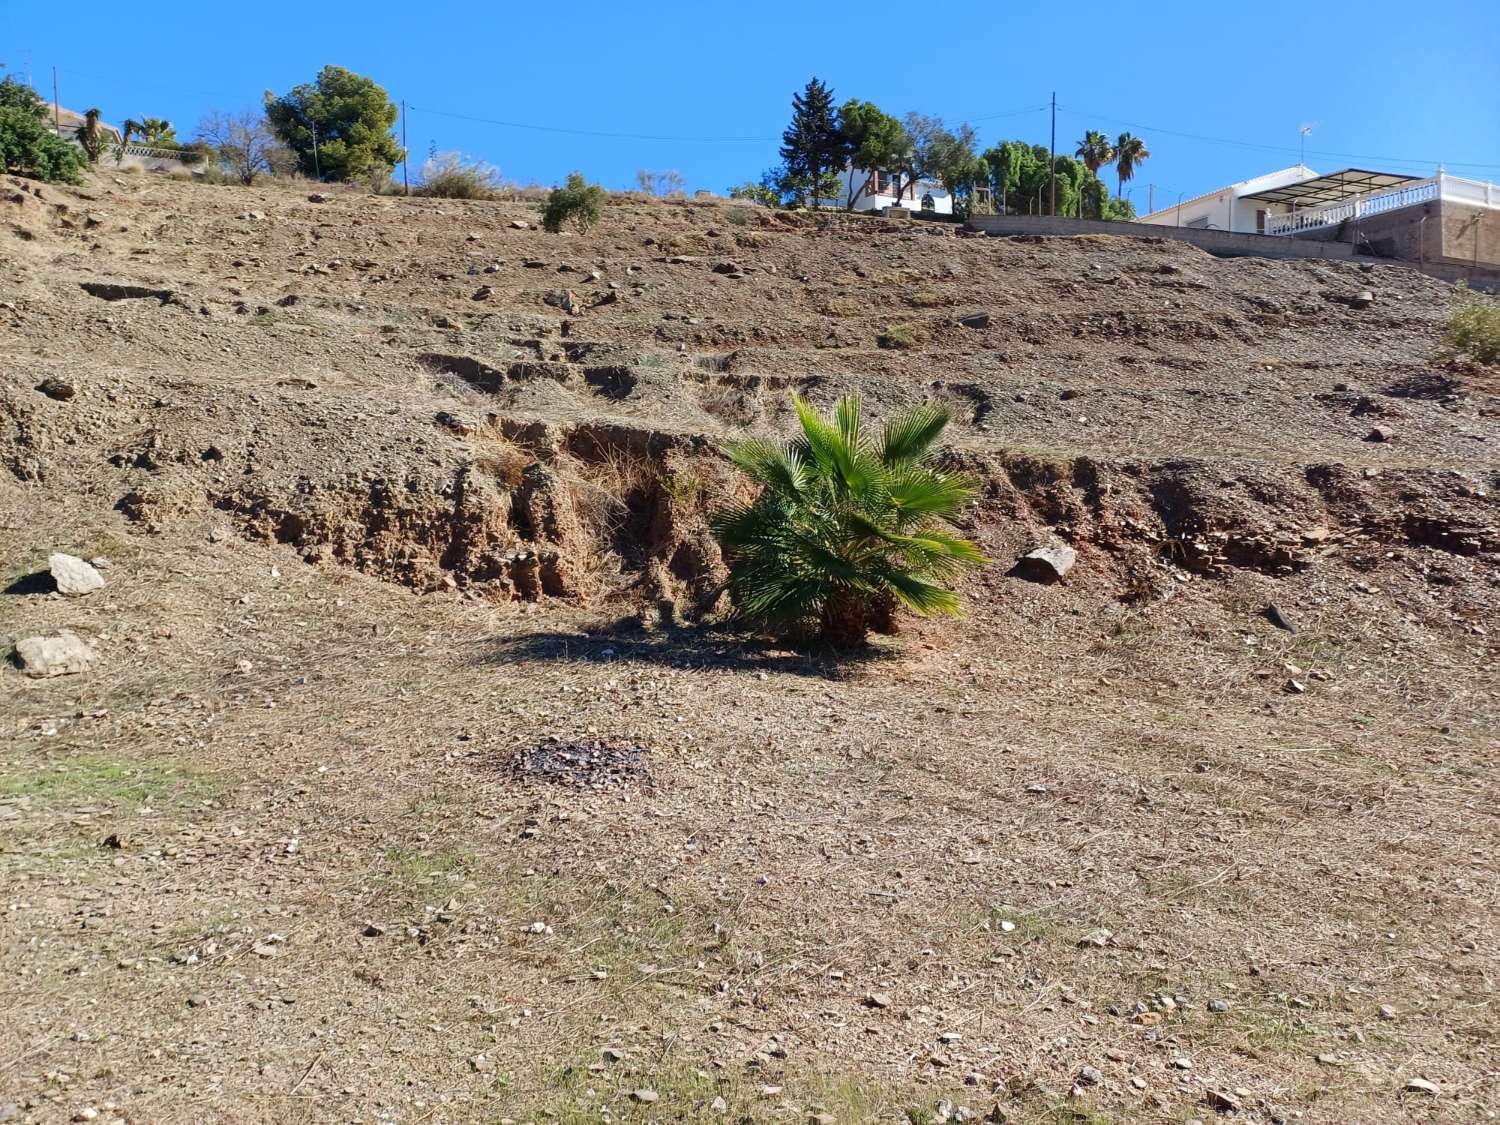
[902, 337]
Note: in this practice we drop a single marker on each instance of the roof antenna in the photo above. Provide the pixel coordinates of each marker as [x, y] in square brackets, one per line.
[1302, 151]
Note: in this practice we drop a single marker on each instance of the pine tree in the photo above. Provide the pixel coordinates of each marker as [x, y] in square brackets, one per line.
[812, 145]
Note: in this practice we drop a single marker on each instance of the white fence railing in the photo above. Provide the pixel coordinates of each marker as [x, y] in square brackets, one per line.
[1472, 192]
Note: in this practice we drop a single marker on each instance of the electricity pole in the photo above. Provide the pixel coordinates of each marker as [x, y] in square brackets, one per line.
[317, 167]
[405, 182]
[1052, 163]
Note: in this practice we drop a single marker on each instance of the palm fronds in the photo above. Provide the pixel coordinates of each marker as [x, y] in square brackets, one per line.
[843, 524]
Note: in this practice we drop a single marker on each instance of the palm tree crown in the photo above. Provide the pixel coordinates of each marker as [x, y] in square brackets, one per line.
[1095, 151]
[846, 526]
[1130, 151]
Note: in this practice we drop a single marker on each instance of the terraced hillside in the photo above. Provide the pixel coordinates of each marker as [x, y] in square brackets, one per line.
[420, 773]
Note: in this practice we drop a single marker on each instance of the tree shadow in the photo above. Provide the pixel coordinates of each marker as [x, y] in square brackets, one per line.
[40, 582]
[681, 646]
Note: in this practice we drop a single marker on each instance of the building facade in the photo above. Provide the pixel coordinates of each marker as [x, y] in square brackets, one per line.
[875, 191]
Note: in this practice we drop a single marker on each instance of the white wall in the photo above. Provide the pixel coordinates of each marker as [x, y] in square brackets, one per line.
[1227, 210]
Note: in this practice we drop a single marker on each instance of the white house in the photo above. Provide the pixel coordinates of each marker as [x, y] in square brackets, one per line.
[1256, 206]
[875, 191]
[1228, 208]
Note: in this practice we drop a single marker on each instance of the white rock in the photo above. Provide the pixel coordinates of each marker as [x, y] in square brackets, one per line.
[1421, 1086]
[1047, 564]
[74, 576]
[61, 655]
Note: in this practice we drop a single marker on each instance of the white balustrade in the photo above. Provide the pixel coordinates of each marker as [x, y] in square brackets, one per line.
[1441, 186]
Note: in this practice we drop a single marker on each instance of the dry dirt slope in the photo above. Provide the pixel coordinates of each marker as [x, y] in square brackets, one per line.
[392, 489]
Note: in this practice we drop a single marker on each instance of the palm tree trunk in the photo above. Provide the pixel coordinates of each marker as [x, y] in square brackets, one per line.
[845, 620]
[882, 616]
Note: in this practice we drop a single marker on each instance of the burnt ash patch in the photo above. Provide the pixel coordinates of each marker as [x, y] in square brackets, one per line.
[582, 765]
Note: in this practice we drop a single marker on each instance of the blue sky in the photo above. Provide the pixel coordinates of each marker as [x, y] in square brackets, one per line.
[1218, 91]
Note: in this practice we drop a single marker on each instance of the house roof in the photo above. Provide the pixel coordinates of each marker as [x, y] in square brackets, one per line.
[1332, 188]
[71, 121]
[1236, 190]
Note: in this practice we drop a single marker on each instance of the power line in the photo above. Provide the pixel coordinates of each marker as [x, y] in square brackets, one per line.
[659, 136]
[590, 132]
[1274, 148]
[1008, 113]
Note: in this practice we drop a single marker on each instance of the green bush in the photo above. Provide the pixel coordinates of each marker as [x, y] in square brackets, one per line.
[29, 148]
[846, 526]
[15, 94]
[1472, 330]
[901, 336]
[577, 201]
[446, 176]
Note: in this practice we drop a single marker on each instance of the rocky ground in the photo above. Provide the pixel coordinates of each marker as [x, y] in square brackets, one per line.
[415, 772]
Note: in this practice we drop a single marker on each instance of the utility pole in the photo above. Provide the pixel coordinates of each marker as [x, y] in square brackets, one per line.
[1052, 163]
[317, 167]
[1150, 199]
[405, 182]
[56, 111]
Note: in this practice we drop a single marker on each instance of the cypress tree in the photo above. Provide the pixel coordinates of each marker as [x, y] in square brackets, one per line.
[812, 145]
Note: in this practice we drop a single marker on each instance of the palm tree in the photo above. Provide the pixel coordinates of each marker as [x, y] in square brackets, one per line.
[90, 136]
[158, 131]
[1129, 152]
[845, 526]
[1095, 151]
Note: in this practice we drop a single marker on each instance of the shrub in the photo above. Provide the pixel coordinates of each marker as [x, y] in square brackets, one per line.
[927, 300]
[15, 94]
[752, 192]
[901, 336]
[29, 148]
[846, 527]
[446, 176]
[244, 144]
[660, 183]
[1472, 330]
[577, 201]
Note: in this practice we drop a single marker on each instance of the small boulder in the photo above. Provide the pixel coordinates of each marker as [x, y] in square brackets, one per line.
[975, 320]
[1363, 299]
[1046, 564]
[74, 576]
[62, 655]
[1278, 617]
[1381, 434]
[317, 197]
[520, 224]
[727, 267]
[60, 389]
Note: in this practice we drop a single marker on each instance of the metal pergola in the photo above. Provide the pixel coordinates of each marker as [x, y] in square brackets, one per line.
[1332, 188]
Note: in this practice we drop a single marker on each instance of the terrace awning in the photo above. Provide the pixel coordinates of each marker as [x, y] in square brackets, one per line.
[1332, 188]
